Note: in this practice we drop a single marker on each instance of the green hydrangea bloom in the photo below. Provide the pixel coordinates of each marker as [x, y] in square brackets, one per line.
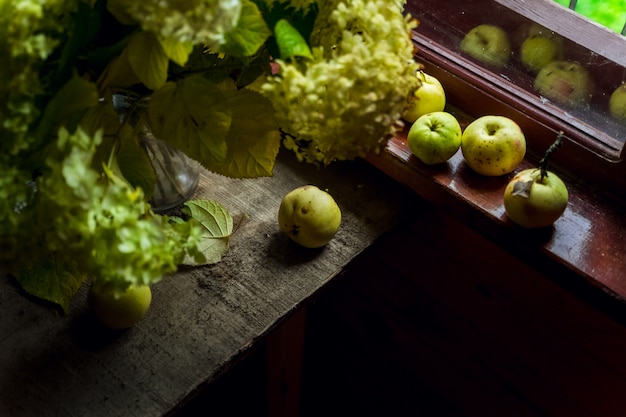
[347, 100]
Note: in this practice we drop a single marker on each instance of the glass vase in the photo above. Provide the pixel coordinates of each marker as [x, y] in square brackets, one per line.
[177, 175]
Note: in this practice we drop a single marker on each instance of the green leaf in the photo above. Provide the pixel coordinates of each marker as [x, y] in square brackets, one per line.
[177, 51]
[118, 73]
[74, 97]
[190, 115]
[51, 281]
[217, 226]
[290, 42]
[250, 33]
[148, 59]
[254, 137]
[102, 116]
[210, 214]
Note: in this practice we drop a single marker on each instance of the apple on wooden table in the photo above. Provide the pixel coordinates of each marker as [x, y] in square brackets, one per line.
[435, 137]
[120, 311]
[488, 44]
[309, 216]
[536, 197]
[429, 97]
[493, 145]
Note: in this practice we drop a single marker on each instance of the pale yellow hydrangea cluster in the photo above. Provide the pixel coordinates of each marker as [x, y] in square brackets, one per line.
[196, 21]
[346, 102]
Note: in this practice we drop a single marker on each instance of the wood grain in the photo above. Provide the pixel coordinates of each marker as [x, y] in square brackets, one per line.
[202, 320]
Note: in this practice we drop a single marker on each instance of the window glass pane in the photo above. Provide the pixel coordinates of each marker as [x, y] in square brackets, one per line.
[542, 55]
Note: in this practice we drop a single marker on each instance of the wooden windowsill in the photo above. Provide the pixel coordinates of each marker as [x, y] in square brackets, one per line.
[582, 251]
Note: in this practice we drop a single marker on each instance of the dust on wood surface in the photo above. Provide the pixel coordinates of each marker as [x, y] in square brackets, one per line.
[201, 319]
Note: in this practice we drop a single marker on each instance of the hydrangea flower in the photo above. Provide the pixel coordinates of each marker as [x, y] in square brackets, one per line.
[196, 21]
[346, 101]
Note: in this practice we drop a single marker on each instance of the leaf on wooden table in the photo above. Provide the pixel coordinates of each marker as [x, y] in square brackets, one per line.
[218, 226]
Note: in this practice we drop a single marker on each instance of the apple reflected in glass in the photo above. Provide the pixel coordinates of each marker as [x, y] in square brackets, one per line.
[565, 82]
[617, 103]
[539, 50]
[488, 44]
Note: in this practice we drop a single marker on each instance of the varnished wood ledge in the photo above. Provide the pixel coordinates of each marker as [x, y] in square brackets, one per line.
[583, 251]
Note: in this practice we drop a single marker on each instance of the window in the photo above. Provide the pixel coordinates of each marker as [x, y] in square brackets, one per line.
[609, 13]
[484, 85]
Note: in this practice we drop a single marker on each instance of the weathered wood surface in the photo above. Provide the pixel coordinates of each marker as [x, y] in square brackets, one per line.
[202, 320]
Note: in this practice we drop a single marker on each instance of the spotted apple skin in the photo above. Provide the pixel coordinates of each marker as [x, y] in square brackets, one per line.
[493, 145]
[309, 216]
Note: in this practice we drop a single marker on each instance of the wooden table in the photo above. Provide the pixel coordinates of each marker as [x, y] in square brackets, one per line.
[202, 320]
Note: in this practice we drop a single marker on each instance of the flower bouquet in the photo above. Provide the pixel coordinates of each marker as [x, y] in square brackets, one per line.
[228, 82]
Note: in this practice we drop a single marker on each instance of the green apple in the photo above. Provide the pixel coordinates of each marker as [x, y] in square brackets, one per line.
[493, 145]
[309, 216]
[564, 82]
[435, 137]
[429, 97]
[538, 51]
[123, 311]
[532, 201]
[488, 44]
[617, 103]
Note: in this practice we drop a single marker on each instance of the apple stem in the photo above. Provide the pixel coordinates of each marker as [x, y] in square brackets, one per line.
[543, 164]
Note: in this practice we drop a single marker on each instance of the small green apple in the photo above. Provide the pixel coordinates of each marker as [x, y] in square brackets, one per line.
[531, 200]
[429, 97]
[309, 216]
[435, 137]
[564, 82]
[538, 51]
[493, 145]
[123, 311]
[617, 103]
[488, 44]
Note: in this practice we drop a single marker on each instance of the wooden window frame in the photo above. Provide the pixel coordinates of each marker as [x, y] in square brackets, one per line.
[590, 153]
[583, 251]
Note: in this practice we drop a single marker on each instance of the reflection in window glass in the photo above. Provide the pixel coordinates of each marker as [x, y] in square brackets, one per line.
[608, 13]
[562, 77]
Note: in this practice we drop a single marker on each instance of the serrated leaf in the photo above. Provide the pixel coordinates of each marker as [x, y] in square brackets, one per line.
[51, 281]
[250, 33]
[290, 42]
[211, 215]
[190, 115]
[254, 138]
[148, 60]
[177, 51]
[217, 226]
